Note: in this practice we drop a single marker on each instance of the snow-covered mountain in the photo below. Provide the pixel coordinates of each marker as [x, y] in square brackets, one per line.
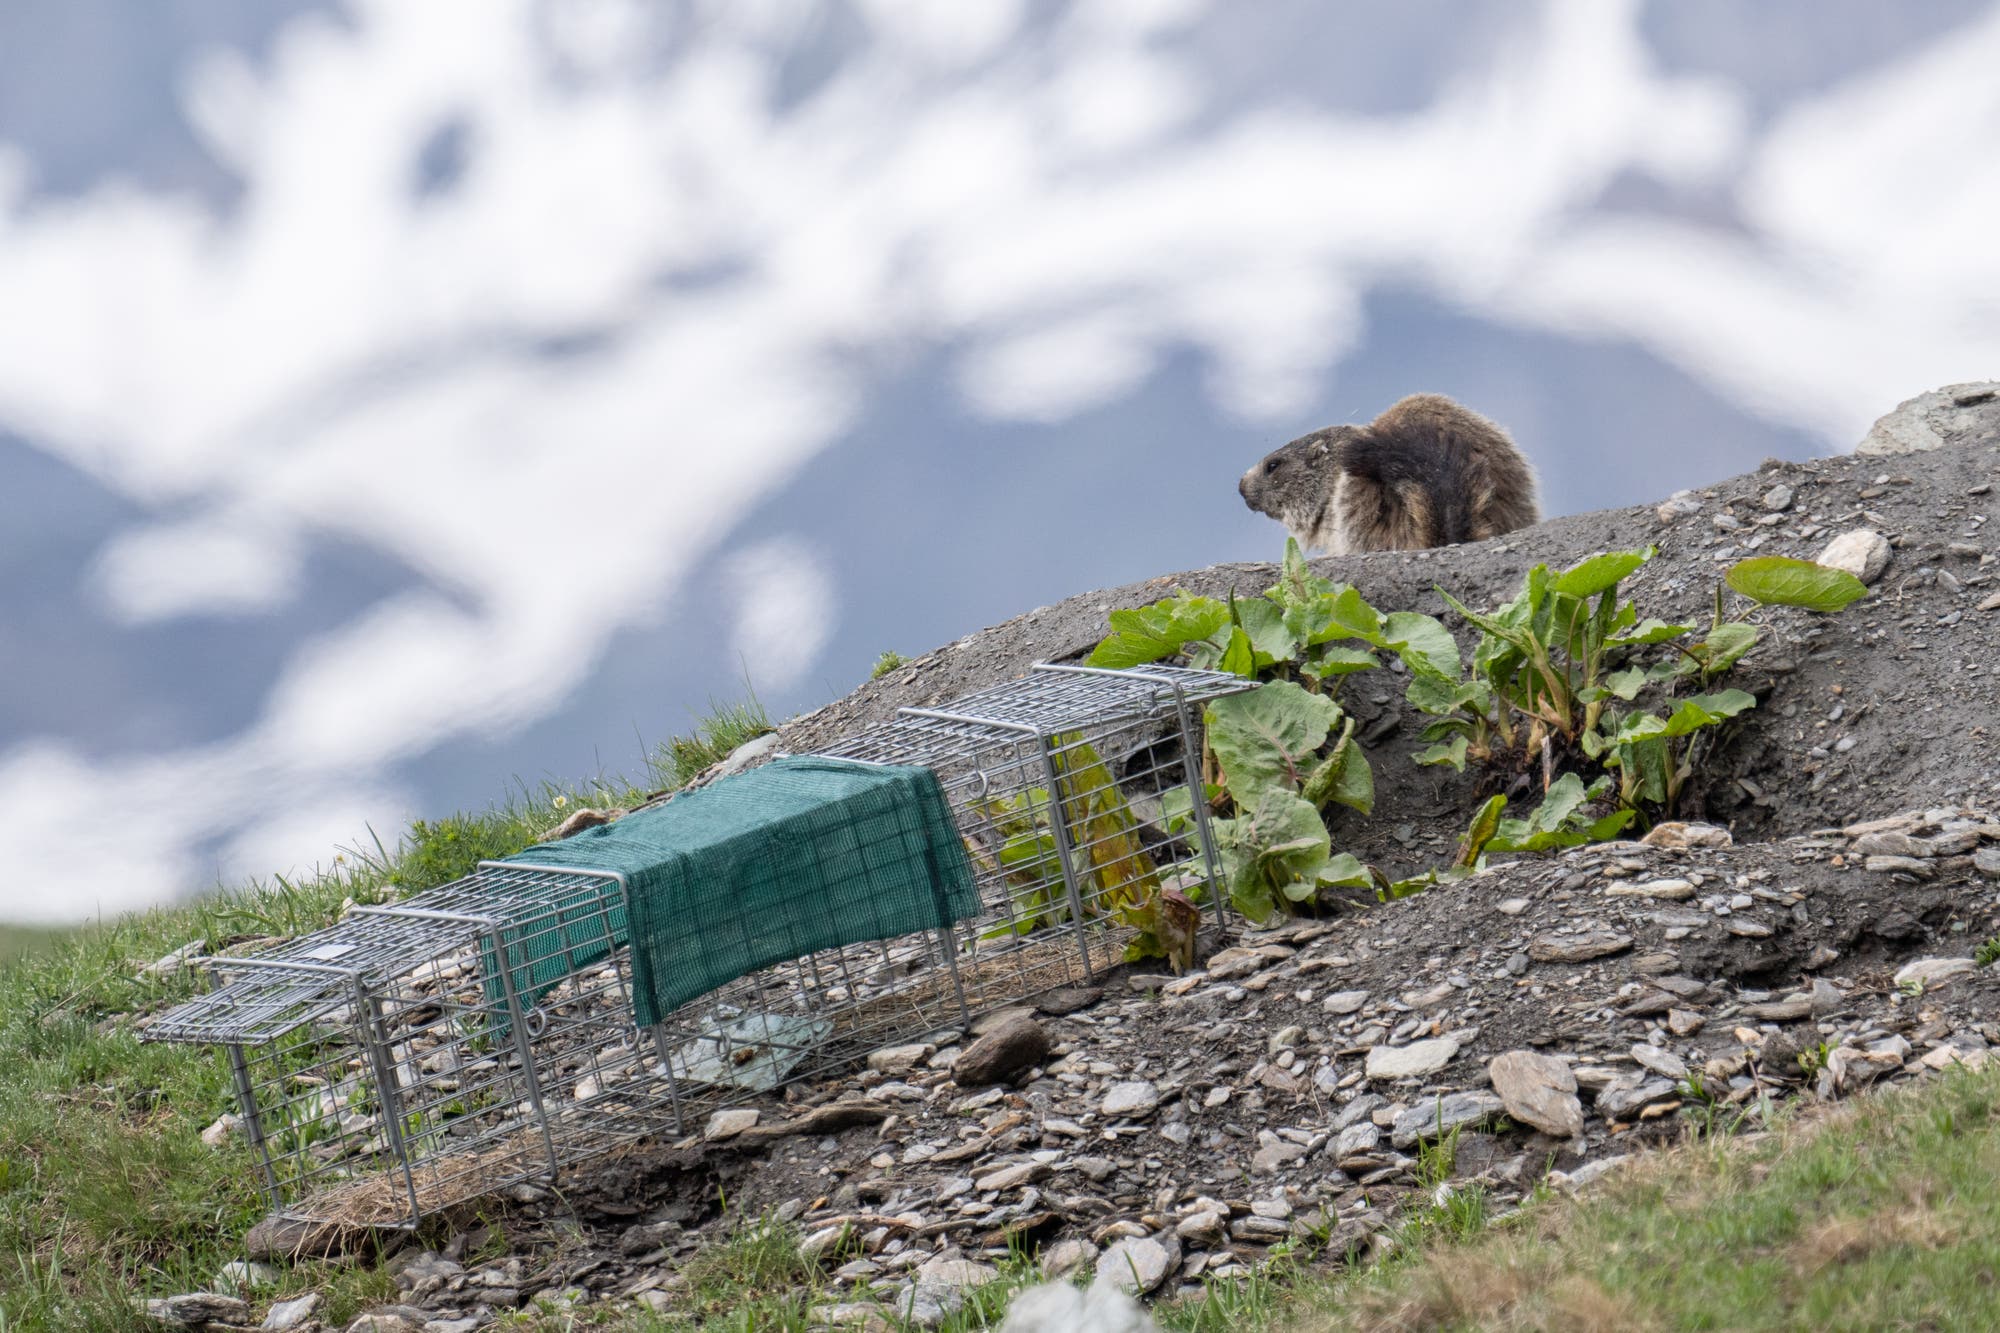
[395, 397]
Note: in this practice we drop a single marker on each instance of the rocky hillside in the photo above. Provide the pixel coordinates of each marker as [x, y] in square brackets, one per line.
[1818, 930]
[1894, 703]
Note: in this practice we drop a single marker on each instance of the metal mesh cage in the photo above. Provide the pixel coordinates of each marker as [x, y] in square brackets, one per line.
[1077, 793]
[418, 1055]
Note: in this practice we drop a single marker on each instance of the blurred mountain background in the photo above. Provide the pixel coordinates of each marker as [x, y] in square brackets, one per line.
[397, 397]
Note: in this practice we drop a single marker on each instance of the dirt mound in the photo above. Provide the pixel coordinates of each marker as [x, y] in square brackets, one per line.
[1893, 702]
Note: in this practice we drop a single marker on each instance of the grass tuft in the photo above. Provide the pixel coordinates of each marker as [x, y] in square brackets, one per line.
[727, 726]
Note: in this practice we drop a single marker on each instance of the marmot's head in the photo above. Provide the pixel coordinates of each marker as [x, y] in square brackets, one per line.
[1293, 484]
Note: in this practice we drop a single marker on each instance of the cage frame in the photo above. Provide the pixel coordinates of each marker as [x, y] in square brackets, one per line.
[261, 1003]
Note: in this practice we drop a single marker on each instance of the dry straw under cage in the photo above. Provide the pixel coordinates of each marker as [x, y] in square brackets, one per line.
[485, 1033]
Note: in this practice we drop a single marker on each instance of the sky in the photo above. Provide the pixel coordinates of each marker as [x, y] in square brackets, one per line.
[402, 401]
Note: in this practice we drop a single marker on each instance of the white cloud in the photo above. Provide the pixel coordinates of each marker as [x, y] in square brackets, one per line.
[1120, 100]
[209, 566]
[84, 859]
[338, 359]
[1054, 372]
[945, 36]
[785, 608]
[1886, 182]
[1870, 274]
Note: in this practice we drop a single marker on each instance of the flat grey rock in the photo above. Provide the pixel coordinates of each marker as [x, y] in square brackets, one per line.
[1434, 1117]
[1577, 948]
[1632, 1094]
[1538, 1090]
[196, 1308]
[1130, 1099]
[1138, 1264]
[290, 1314]
[1413, 1061]
[1927, 972]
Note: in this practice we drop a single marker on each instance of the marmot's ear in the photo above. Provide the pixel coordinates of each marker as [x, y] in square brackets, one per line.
[1321, 448]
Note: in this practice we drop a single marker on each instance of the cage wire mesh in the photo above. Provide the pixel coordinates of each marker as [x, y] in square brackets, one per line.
[421, 1054]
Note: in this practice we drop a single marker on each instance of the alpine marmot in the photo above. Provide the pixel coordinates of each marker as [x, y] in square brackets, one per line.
[1427, 472]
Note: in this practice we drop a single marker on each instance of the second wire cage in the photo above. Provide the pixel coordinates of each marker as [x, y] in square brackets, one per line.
[1078, 794]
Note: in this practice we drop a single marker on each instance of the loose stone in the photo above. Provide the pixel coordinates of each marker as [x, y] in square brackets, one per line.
[1668, 889]
[1129, 1100]
[1437, 1116]
[1004, 1053]
[1928, 972]
[1681, 836]
[196, 1308]
[1661, 1061]
[900, 1059]
[1862, 553]
[1138, 1264]
[1539, 1090]
[1788, 1010]
[1274, 1153]
[1413, 1061]
[727, 1124]
[290, 1314]
[1627, 1096]
[1577, 948]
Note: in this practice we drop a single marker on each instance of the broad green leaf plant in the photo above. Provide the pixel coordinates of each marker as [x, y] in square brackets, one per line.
[1561, 670]
[1566, 671]
[1271, 745]
[1282, 754]
[1566, 675]
[1119, 875]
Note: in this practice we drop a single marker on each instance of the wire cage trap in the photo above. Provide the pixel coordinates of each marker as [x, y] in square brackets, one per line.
[418, 1055]
[1077, 793]
[551, 1007]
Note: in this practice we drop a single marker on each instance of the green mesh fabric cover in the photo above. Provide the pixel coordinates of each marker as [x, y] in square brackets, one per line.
[569, 933]
[800, 855]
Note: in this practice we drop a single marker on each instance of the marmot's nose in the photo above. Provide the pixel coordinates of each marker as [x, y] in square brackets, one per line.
[1243, 486]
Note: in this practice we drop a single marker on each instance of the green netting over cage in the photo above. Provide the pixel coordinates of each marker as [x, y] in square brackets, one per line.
[575, 926]
[800, 855]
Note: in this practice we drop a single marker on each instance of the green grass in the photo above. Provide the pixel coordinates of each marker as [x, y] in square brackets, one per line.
[106, 1190]
[1882, 1214]
[16, 941]
[727, 726]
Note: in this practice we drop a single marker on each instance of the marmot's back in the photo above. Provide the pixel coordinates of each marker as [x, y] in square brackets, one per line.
[1427, 472]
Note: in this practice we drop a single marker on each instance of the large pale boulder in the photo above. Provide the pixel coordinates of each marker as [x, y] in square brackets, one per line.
[1956, 414]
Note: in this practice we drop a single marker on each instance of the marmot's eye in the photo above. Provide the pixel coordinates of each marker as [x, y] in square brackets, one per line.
[1270, 466]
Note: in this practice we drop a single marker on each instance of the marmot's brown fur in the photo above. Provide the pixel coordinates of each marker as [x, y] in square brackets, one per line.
[1427, 472]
